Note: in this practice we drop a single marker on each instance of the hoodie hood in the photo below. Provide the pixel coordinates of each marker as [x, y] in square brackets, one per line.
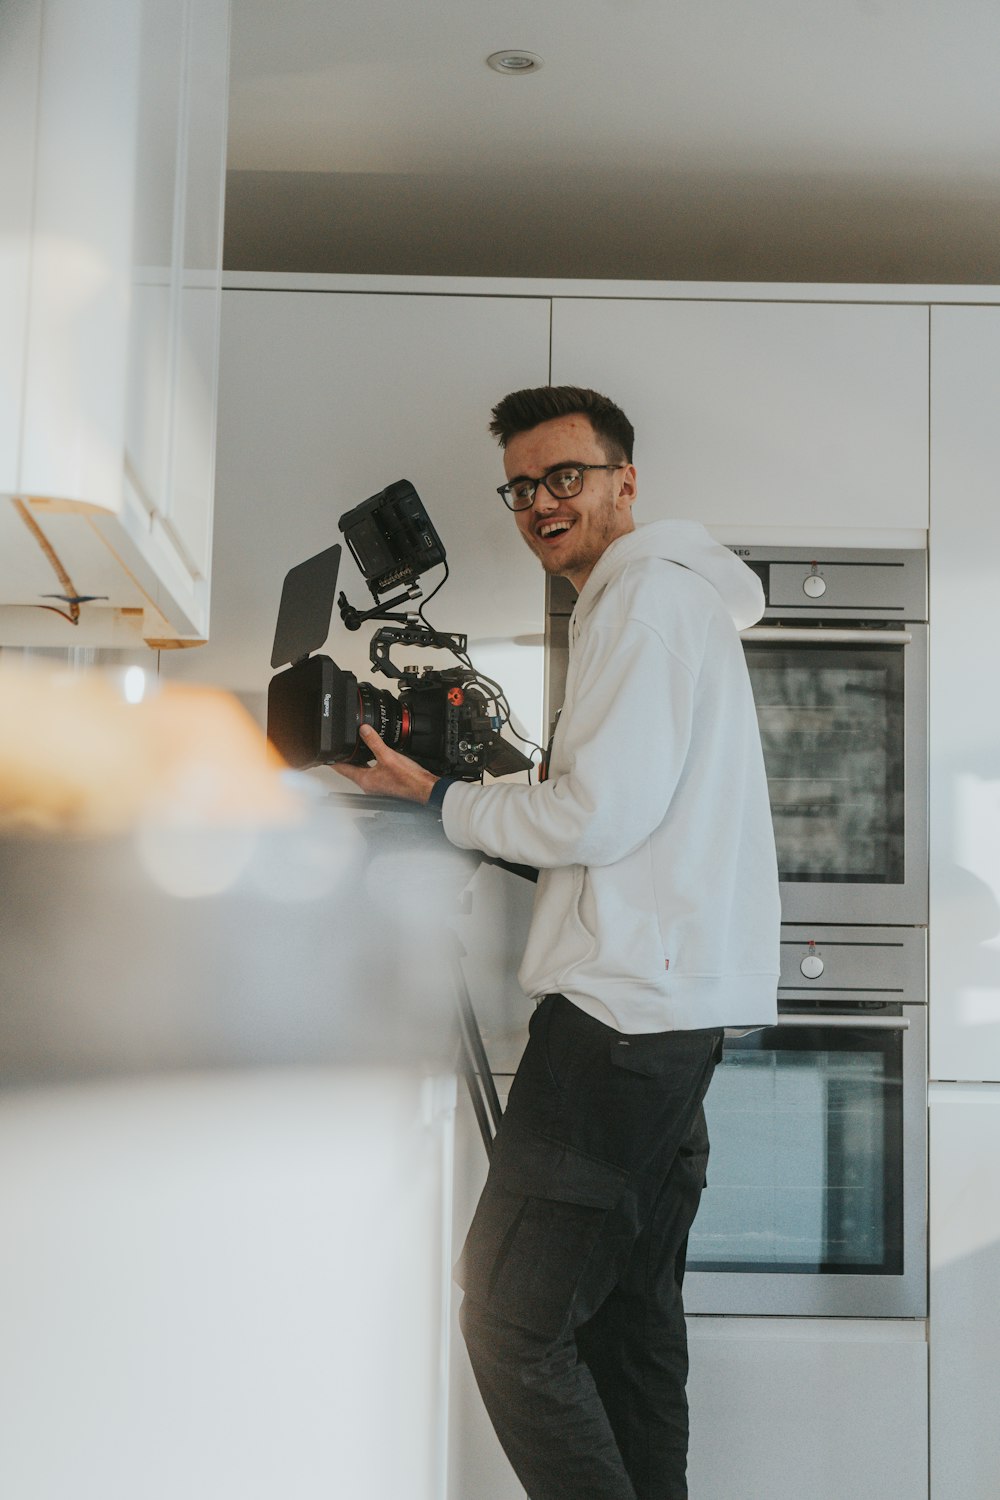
[690, 545]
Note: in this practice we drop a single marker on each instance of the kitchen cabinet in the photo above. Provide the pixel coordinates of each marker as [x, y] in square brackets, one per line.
[785, 1407]
[226, 1283]
[114, 124]
[325, 399]
[226, 1149]
[964, 1276]
[755, 414]
[964, 711]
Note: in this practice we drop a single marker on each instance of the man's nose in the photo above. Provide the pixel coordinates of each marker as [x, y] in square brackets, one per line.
[543, 499]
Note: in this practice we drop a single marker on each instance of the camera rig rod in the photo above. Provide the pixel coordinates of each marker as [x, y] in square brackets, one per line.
[354, 618]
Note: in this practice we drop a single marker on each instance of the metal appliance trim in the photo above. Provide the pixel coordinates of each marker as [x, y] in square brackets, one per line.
[826, 635]
[860, 1022]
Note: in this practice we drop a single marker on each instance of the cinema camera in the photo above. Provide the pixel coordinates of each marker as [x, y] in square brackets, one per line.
[448, 720]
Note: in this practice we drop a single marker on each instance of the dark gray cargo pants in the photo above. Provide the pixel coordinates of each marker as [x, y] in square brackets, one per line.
[573, 1264]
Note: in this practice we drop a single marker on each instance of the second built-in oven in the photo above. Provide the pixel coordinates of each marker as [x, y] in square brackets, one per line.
[817, 1182]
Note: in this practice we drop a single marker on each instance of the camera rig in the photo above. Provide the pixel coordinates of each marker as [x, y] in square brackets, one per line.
[448, 719]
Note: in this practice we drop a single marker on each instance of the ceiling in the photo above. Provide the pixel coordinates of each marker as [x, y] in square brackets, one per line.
[789, 140]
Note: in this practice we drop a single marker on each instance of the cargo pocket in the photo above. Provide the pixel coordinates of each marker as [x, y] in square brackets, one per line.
[659, 1054]
[538, 1222]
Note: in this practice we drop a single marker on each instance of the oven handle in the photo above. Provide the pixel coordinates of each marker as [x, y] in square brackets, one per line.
[873, 1023]
[835, 635]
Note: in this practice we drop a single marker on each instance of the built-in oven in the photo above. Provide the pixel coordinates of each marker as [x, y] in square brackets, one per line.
[839, 673]
[838, 666]
[817, 1189]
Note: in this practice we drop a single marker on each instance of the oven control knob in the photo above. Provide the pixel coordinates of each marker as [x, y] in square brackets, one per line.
[814, 586]
[812, 966]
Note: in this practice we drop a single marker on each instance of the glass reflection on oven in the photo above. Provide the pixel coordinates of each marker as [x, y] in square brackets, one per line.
[806, 1165]
[831, 723]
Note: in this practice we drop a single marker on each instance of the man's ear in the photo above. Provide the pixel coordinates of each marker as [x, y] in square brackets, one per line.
[627, 488]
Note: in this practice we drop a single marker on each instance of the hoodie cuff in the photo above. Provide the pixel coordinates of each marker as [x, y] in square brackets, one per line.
[439, 789]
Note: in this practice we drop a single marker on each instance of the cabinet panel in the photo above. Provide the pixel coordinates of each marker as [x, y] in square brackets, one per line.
[161, 91]
[325, 399]
[75, 371]
[964, 710]
[785, 1408]
[198, 289]
[20, 28]
[964, 1277]
[762, 414]
[189, 516]
[226, 1283]
[109, 334]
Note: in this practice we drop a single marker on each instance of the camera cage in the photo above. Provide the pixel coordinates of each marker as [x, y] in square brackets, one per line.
[393, 542]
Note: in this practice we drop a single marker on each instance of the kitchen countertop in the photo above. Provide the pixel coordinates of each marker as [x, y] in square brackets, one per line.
[322, 943]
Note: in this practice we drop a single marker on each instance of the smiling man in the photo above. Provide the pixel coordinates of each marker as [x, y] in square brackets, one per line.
[580, 504]
[655, 926]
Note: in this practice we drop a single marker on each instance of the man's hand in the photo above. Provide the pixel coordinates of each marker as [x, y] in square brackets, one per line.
[392, 775]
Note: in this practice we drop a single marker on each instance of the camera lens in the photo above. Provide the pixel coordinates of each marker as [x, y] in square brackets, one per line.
[385, 715]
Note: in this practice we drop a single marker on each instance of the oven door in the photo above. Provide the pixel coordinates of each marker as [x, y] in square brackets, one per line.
[816, 1196]
[843, 722]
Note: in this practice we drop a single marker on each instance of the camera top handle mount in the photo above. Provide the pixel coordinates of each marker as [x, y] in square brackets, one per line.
[411, 634]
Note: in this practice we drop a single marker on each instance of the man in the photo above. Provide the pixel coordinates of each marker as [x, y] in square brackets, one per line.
[655, 926]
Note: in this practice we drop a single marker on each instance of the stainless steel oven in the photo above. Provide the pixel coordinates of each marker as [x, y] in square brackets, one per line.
[817, 1185]
[839, 672]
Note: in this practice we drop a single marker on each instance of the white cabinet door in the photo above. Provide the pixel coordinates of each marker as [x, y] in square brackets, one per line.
[785, 1408]
[325, 398]
[20, 39]
[188, 512]
[754, 414]
[964, 707]
[227, 1283]
[113, 138]
[964, 1282]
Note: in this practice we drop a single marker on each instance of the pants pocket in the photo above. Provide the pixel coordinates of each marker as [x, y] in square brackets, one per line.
[538, 1223]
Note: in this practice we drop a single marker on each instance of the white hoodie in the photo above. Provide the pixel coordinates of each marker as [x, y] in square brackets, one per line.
[657, 900]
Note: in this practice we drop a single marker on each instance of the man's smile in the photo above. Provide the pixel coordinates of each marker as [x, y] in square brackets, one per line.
[547, 529]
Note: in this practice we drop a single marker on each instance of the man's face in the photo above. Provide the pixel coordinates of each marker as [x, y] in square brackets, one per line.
[568, 536]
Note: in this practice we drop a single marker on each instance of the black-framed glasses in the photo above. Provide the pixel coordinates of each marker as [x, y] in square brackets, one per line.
[562, 482]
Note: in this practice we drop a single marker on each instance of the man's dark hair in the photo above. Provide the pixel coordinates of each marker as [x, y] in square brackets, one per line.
[523, 410]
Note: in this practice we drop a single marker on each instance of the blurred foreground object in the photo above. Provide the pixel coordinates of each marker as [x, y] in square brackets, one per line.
[226, 1116]
[93, 752]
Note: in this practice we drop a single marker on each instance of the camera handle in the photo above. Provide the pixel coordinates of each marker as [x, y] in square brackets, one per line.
[411, 634]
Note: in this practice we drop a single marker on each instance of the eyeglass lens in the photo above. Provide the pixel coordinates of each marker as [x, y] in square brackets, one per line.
[563, 484]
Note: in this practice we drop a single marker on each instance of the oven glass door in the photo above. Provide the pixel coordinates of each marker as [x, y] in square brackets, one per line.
[816, 1168]
[841, 730]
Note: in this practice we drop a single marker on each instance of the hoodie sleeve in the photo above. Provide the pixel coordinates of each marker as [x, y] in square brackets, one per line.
[621, 745]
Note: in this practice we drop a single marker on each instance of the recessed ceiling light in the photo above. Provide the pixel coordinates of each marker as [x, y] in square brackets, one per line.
[512, 61]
